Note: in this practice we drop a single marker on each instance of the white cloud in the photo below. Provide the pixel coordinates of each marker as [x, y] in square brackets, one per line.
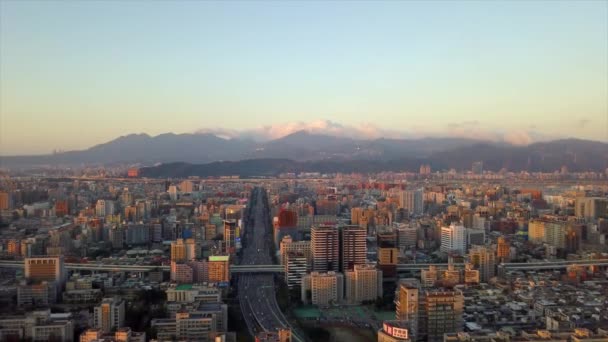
[465, 129]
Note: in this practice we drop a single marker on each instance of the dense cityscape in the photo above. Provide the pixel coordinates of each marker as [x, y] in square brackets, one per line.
[303, 171]
[470, 255]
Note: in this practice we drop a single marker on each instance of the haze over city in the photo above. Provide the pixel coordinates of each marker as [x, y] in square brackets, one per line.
[93, 71]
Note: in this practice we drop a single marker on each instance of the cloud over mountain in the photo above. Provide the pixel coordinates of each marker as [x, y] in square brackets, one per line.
[368, 131]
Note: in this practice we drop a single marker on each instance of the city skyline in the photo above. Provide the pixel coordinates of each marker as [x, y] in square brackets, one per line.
[511, 71]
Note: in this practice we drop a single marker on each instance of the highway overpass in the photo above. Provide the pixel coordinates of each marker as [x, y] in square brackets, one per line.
[236, 269]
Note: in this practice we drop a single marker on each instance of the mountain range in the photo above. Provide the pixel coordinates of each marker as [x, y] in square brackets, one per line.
[305, 151]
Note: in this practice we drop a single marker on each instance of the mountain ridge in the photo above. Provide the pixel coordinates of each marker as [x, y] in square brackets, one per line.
[303, 146]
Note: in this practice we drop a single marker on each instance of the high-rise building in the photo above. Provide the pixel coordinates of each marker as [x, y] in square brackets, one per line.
[407, 303]
[295, 265]
[388, 256]
[362, 217]
[555, 233]
[407, 236]
[430, 313]
[483, 259]
[412, 200]
[289, 245]
[219, 269]
[109, 314]
[230, 233]
[394, 331]
[425, 169]
[181, 273]
[353, 247]
[45, 269]
[503, 249]
[573, 238]
[323, 288]
[186, 186]
[5, 201]
[183, 250]
[117, 237]
[591, 207]
[172, 192]
[363, 283]
[325, 248]
[536, 231]
[442, 314]
[453, 238]
[104, 208]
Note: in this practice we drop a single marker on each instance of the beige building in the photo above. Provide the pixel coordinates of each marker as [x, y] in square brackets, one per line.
[549, 231]
[364, 283]
[323, 288]
[591, 207]
[484, 260]
[183, 250]
[109, 314]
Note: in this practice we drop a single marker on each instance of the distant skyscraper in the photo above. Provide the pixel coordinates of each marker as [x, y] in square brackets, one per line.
[453, 238]
[5, 201]
[591, 208]
[354, 247]
[413, 201]
[325, 247]
[172, 192]
[425, 169]
[104, 208]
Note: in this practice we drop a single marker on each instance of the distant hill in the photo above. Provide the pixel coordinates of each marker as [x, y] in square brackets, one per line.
[577, 155]
[316, 152]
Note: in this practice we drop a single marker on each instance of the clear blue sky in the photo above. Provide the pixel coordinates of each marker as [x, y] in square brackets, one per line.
[77, 73]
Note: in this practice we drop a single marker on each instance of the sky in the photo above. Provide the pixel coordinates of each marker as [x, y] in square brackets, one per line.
[77, 73]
